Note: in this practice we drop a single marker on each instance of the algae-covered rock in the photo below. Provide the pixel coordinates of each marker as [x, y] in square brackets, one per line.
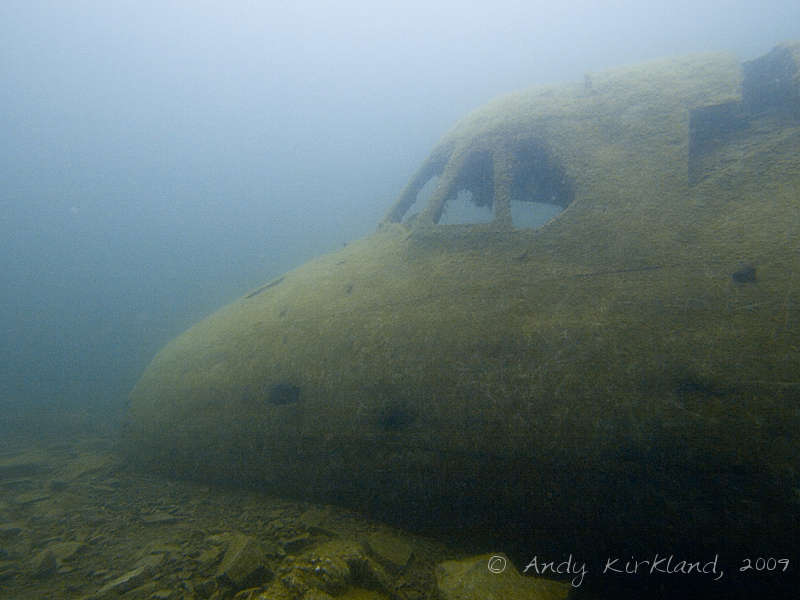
[337, 568]
[244, 562]
[625, 374]
[493, 577]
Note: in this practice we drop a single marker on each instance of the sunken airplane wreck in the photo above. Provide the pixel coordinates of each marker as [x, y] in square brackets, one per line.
[624, 373]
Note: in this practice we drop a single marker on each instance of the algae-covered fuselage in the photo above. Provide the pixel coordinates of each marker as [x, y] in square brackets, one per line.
[604, 379]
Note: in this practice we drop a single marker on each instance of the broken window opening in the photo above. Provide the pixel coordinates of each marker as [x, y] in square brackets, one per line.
[462, 210]
[471, 194]
[540, 186]
[422, 198]
[512, 183]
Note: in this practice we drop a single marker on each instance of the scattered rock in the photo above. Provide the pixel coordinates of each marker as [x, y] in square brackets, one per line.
[10, 530]
[57, 485]
[64, 551]
[22, 465]
[315, 516]
[85, 464]
[161, 548]
[123, 583]
[244, 563]
[69, 532]
[209, 557]
[31, 497]
[103, 489]
[390, 550]
[206, 587]
[295, 544]
[160, 518]
[317, 595]
[334, 568]
[220, 538]
[318, 520]
[44, 564]
[272, 549]
[143, 591]
[151, 562]
[7, 570]
[471, 579]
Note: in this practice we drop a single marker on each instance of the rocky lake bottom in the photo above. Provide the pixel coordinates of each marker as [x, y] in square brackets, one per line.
[77, 522]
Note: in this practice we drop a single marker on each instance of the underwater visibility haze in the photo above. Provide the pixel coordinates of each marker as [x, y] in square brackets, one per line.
[513, 270]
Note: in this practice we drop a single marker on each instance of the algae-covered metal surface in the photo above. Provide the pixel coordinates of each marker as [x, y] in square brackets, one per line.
[628, 372]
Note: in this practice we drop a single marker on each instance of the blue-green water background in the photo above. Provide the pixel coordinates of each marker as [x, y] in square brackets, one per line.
[159, 159]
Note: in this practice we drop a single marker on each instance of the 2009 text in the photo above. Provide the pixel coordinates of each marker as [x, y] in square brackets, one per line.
[763, 564]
